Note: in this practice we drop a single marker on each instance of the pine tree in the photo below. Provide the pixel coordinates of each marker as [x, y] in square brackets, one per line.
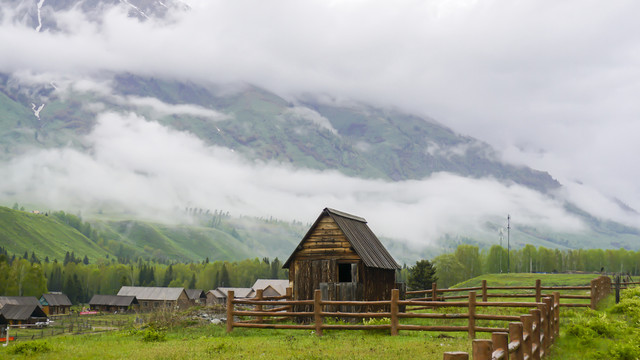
[422, 275]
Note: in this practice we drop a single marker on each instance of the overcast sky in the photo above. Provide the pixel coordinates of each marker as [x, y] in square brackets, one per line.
[549, 84]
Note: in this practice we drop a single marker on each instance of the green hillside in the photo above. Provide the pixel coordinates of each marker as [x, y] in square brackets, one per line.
[44, 235]
[232, 239]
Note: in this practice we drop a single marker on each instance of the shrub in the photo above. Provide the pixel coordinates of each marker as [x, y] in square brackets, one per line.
[624, 351]
[30, 348]
[151, 334]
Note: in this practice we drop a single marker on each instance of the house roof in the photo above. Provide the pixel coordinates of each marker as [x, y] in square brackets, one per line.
[22, 312]
[195, 294]
[58, 299]
[18, 300]
[279, 285]
[222, 292]
[152, 293]
[113, 300]
[362, 239]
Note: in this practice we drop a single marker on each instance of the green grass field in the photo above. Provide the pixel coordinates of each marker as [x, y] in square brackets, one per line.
[585, 334]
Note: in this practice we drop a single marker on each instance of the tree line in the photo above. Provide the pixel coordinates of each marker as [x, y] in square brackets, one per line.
[80, 280]
[469, 261]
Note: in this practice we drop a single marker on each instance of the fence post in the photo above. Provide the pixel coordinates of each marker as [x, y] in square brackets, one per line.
[550, 328]
[317, 309]
[535, 334]
[482, 349]
[289, 295]
[594, 293]
[515, 334]
[544, 334]
[395, 296]
[500, 340]
[455, 355]
[472, 315]
[259, 297]
[230, 296]
[484, 291]
[434, 291]
[556, 313]
[527, 334]
[538, 290]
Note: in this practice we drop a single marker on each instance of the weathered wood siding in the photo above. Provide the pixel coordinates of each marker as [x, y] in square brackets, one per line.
[317, 260]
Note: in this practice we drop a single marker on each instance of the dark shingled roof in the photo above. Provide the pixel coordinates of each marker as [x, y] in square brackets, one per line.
[113, 300]
[18, 300]
[22, 312]
[362, 239]
[195, 294]
[55, 300]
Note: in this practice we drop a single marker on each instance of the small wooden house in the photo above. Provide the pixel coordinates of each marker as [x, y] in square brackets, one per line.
[343, 257]
[219, 296]
[151, 298]
[196, 296]
[55, 304]
[23, 314]
[113, 303]
[271, 287]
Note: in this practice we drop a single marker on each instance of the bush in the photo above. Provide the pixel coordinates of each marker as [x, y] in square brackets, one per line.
[151, 334]
[624, 351]
[31, 348]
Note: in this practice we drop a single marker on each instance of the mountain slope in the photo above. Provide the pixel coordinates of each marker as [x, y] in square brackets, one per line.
[44, 235]
[357, 140]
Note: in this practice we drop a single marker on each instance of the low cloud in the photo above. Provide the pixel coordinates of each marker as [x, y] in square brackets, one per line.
[140, 167]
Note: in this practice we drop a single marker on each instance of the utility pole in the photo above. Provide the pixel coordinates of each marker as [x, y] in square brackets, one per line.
[508, 240]
[501, 232]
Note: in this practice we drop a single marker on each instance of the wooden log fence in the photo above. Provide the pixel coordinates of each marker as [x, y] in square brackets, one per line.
[598, 289]
[545, 317]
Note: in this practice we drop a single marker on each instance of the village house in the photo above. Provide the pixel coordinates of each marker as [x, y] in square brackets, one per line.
[270, 287]
[55, 304]
[196, 296]
[219, 295]
[341, 256]
[113, 303]
[25, 314]
[151, 298]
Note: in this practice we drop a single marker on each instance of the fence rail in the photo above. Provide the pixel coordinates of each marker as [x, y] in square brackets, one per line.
[548, 310]
[598, 289]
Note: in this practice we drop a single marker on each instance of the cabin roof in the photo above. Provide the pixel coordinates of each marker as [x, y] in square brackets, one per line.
[279, 285]
[22, 312]
[195, 294]
[222, 292]
[18, 300]
[113, 300]
[152, 293]
[55, 300]
[364, 242]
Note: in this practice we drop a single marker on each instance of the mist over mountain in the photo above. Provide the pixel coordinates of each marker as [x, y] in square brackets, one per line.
[113, 111]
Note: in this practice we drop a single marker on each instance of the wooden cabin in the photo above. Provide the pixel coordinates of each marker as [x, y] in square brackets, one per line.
[151, 298]
[341, 256]
[113, 303]
[196, 296]
[23, 314]
[55, 304]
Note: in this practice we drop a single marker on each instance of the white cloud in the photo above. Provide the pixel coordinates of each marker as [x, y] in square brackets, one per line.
[302, 112]
[142, 167]
[163, 108]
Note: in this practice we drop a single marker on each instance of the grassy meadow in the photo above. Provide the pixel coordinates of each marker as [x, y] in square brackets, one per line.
[609, 333]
